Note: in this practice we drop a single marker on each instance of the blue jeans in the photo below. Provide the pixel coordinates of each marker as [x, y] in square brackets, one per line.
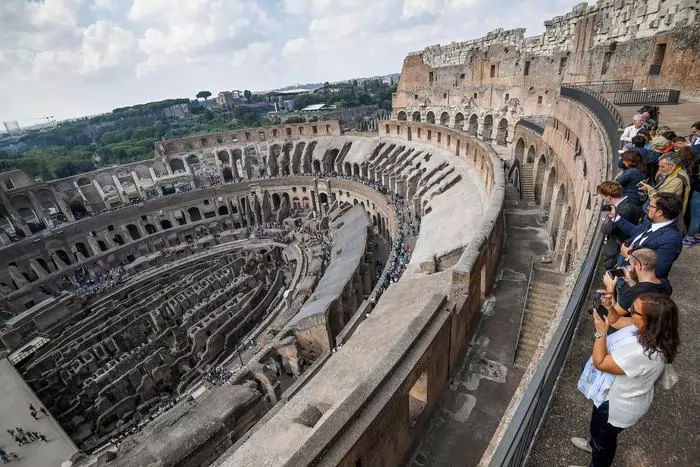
[694, 214]
[603, 437]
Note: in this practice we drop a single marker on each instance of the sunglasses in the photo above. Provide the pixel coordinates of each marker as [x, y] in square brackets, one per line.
[632, 311]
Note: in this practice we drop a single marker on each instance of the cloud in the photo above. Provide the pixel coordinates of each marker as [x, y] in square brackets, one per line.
[66, 57]
[295, 47]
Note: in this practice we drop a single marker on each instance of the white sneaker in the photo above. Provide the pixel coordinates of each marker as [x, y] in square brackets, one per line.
[582, 444]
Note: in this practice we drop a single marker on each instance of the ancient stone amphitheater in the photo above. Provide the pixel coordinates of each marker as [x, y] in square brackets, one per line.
[296, 295]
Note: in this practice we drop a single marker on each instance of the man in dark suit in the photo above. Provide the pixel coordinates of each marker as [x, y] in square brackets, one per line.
[612, 193]
[658, 232]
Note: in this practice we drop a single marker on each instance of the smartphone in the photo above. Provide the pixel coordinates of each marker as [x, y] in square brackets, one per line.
[619, 272]
[602, 311]
[597, 296]
[606, 208]
[643, 182]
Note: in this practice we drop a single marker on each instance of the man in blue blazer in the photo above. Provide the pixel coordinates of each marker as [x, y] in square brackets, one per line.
[658, 232]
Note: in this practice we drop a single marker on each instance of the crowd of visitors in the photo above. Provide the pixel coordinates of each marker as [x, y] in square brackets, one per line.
[652, 212]
[90, 284]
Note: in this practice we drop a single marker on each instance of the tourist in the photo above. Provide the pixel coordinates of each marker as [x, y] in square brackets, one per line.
[631, 131]
[671, 178]
[639, 278]
[633, 172]
[612, 194]
[619, 377]
[695, 134]
[658, 232]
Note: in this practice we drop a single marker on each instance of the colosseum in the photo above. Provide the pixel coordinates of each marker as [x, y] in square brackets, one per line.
[302, 295]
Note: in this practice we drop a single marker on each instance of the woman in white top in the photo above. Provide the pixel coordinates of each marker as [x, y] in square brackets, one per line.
[636, 360]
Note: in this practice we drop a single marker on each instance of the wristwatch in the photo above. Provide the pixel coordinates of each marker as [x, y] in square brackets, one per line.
[597, 335]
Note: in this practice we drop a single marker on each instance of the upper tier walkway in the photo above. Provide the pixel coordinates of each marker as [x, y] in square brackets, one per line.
[669, 434]
[679, 117]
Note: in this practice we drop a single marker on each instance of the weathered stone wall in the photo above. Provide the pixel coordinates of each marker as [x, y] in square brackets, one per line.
[611, 40]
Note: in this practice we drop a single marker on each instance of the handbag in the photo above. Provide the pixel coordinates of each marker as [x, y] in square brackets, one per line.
[668, 377]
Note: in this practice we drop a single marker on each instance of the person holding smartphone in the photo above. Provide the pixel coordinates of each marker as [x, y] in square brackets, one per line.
[620, 376]
[629, 282]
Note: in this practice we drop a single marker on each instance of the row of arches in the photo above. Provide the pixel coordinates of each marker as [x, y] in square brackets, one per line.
[458, 123]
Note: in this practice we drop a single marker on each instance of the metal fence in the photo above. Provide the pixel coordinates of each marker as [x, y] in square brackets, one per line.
[520, 433]
[643, 96]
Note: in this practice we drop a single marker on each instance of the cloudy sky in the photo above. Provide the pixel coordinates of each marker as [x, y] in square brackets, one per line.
[79, 57]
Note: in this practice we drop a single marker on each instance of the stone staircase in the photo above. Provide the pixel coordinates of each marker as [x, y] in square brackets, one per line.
[544, 294]
[527, 183]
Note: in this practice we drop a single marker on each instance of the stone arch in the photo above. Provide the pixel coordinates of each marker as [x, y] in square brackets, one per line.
[502, 132]
[77, 207]
[430, 117]
[519, 152]
[487, 130]
[415, 116]
[540, 170]
[473, 125]
[316, 166]
[323, 198]
[445, 119]
[224, 157]
[347, 169]
[118, 239]
[227, 174]
[296, 158]
[308, 156]
[177, 166]
[133, 231]
[63, 256]
[356, 169]
[531, 153]
[166, 224]
[401, 116]
[272, 160]
[223, 211]
[150, 229]
[459, 121]
[286, 158]
[549, 190]
[44, 265]
[276, 200]
[82, 249]
[195, 214]
[102, 245]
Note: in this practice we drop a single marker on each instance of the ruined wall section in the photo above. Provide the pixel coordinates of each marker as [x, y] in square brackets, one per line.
[652, 43]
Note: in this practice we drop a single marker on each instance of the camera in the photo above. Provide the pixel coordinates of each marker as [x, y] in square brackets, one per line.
[643, 182]
[606, 208]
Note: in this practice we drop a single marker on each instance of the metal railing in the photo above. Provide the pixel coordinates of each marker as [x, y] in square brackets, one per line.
[534, 123]
[643, 96]
[519, 435]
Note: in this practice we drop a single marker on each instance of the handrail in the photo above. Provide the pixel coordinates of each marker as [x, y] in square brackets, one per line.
[530, 125]
[516, 442]
[522, 314]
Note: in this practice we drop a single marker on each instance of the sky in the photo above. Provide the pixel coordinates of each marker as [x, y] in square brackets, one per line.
[69, 58]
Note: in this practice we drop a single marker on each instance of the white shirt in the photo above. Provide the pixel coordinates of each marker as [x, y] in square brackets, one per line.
[654, 227]
[631, 394]
[629, 133]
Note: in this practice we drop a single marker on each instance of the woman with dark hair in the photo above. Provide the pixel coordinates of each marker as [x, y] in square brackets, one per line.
[620, 375]
[633, 172]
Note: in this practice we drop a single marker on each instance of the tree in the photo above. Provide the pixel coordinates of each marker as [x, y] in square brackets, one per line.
[203, 95]
[248, 95]
[208, 115]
